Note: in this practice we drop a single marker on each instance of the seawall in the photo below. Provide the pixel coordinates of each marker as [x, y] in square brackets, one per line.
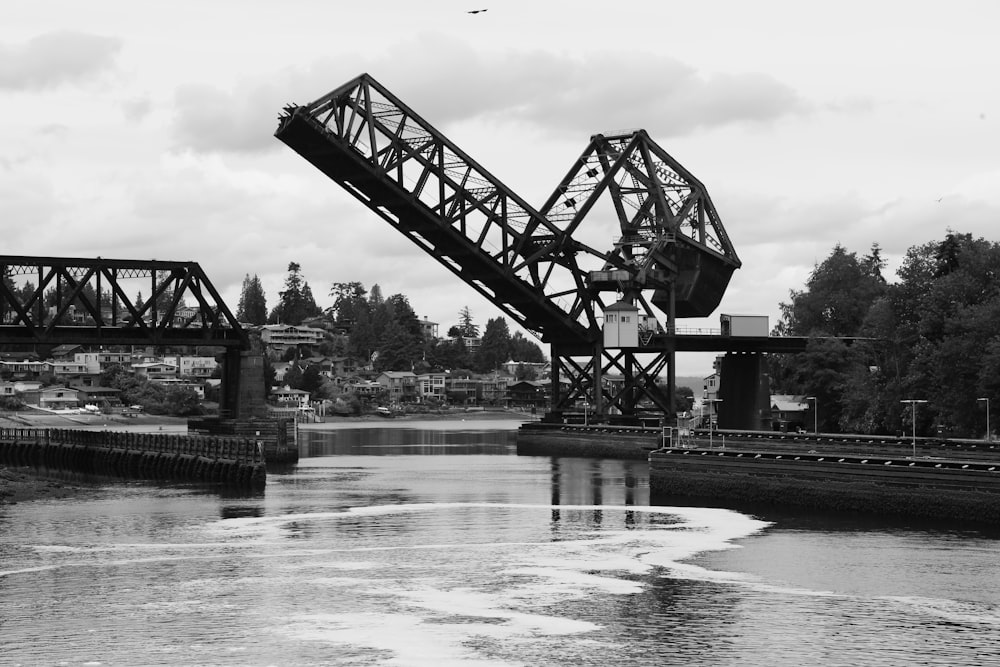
[958, 489]
[958, 480]
[227, 461]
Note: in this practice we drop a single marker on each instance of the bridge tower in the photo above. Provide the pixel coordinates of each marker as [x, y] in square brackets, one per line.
[669, 255]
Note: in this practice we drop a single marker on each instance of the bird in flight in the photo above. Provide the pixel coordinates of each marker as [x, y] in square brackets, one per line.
[475, 11]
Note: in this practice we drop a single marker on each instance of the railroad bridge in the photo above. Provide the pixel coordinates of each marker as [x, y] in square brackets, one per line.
[670, 257]
[49, 301]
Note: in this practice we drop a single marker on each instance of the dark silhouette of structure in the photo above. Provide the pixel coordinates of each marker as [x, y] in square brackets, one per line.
[51, 301]
[670, 253]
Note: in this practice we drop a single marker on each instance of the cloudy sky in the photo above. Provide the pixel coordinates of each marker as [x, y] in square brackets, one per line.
[142, 130]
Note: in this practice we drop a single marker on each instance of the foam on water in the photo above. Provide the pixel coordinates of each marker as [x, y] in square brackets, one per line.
[431, 619]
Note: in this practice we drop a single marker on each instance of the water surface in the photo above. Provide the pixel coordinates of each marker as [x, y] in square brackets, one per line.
[431, 543]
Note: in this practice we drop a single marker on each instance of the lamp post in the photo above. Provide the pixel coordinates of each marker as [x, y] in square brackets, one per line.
[989, 438]
[913, 418]
[815, 413]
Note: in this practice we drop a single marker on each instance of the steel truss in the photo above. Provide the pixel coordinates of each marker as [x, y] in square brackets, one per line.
[49, 300]
[672, 253]
[636, 392]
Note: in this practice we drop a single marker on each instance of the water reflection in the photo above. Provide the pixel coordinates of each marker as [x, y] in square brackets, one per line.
[599, 482]
[405, 442]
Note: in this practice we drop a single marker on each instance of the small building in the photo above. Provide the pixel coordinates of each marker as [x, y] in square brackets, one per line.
[529, 394]
[53, 398]
[400, 385]
[280, 337]
[431, 386]
[290, 398]
[429, 329]
[621, 325]
[788, 412]
[155, 370]
[744, 325]
[99, 395]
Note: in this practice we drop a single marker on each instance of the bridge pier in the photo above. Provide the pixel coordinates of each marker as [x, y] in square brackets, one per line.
[745, 392]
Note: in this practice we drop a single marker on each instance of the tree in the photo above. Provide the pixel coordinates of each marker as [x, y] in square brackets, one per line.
[295, 302]
[293, 376]
[522, 349]
[465, 325]
[182, 402]
[253, 304]
[446, 354]
[348, 300]
[494, 349]
[311, 379]
[837, 301]
[837, 297]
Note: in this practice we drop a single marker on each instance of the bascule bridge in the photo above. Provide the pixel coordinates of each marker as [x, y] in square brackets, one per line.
[661, 250]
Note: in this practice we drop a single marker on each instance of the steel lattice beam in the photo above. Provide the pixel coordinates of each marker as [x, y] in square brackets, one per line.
[384, 154]
[50, 300]
[672, 253]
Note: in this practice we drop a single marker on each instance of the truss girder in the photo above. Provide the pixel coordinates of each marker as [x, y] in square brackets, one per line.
[49, 300]
[629, 384]
[397, 164]
[670, 232]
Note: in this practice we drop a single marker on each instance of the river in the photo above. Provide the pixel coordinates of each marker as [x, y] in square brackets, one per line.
[433, 543]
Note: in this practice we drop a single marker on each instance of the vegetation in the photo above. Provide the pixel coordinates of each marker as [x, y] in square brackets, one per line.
[252, 308]
[933, 336]
[295, 302]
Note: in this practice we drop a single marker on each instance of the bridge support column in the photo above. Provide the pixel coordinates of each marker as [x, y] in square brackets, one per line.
[242, 392]
[590, 375]
[745, 390]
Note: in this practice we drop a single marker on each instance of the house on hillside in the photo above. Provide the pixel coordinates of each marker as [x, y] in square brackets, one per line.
[52, 398]
[278, 338]
[290, 398]
[431, 386]
[99, 395]
[400, 385]
[155, 370]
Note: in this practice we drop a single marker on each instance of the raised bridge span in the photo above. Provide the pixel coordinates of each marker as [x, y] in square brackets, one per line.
[668, 256]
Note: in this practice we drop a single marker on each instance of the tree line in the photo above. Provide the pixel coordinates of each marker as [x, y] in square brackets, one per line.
[934, 336]
[386, 331]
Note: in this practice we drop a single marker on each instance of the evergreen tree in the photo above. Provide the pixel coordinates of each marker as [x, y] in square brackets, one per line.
[466, 326]
[495, 347]
[309, 303]
[522, 349]
[292, 306]
[348, 300]
[252, 308]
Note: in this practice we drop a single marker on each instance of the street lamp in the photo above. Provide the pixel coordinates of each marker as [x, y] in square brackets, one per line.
[913, 417]
[989, 438]
[815, 413]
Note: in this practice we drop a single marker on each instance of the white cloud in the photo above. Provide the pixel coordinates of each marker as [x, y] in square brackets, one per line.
[56, 58]
[554, 92]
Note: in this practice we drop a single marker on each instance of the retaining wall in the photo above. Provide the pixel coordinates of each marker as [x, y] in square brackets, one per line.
[930, 487]
[229, 461]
